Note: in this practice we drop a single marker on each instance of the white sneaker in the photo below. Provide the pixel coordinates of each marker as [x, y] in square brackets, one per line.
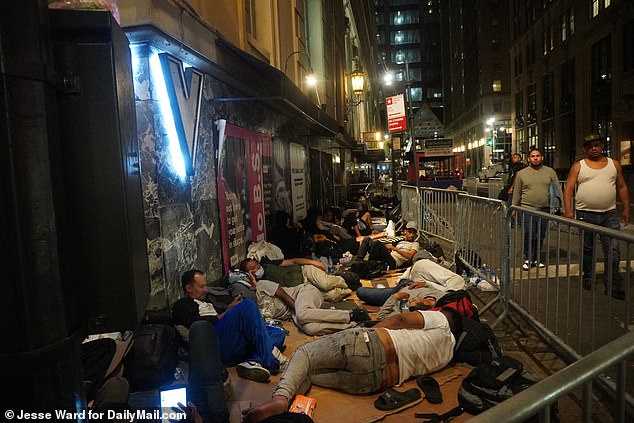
[279, 356]
[540, 264]
[526, 265]
[253, 370]
[390, 230]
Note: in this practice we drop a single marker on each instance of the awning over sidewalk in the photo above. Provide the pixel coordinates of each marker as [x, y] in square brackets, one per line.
[253, 80]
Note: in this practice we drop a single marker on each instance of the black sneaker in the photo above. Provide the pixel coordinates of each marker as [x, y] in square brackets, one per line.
[358, 314]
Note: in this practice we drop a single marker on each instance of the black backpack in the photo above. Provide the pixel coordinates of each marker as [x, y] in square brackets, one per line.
[368, 269]
[352, 279]
[491, 383]
[328, 249]
[476, 344]
[463, 303]
[152, 358]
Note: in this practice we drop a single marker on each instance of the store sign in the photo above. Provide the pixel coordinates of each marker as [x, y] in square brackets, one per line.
[396, 118]
[438, 147]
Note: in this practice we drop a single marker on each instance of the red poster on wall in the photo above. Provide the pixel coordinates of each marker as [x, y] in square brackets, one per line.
[241, 185]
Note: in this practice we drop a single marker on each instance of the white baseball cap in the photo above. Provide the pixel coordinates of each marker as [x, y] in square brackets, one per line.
[411, 224]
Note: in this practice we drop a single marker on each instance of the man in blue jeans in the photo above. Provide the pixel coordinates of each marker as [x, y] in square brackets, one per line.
[532, 190]
[598, 179]
[363, 361]
[241, 330]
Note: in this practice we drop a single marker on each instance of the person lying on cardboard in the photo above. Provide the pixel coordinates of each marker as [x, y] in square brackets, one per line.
[363, 360]
[302, 303]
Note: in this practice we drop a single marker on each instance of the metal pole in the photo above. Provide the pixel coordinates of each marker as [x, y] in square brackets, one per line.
[408, 85]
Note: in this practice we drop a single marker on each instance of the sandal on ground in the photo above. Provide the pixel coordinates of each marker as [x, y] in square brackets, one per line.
[392, 399]
[430, 387]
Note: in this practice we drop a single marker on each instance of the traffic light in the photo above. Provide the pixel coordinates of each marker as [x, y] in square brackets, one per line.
[490, 142]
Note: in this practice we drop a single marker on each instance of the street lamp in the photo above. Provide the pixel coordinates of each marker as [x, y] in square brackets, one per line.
[310, 79]
[358, 81]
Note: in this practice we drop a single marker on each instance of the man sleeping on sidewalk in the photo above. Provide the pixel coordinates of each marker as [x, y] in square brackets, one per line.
[363, 361]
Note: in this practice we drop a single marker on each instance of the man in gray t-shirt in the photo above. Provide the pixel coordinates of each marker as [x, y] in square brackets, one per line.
[532, 190]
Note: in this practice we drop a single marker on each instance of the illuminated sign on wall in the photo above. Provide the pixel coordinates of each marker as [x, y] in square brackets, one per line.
[184, 86]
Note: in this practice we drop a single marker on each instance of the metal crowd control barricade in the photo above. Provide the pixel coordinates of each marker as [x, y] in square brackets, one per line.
[410, 204]
[576, 320]
[539, 399]
[482, 240]
[439, 213]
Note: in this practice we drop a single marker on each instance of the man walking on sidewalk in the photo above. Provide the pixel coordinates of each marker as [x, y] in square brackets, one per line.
[532, 190]
[598, 179]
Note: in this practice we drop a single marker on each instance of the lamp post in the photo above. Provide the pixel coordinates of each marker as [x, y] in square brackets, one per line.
[357, 80]
[310, 79]
[388, 79]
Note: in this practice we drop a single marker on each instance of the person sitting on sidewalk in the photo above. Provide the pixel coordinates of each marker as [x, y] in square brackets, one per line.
[328, 225]
[241, 330]
[364, 361]
[434, 274]
[394, 256]
[296, 271]
[302, 303]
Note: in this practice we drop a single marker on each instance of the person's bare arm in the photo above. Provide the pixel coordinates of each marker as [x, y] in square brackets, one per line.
[303, 261]
[569, 190]
[407, 254]
[235, 301]
[417, 284]
[286, 299]
[409, 320]
[367, 218]
[624, 194]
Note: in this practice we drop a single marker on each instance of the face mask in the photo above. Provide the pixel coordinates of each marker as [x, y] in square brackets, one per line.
[259, 273]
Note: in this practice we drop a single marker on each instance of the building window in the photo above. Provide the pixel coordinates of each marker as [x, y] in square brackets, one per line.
[547, 95]
[404, 17]
[564, 27]
[548, 135]
[414, 75]
[497, 85]
[406, 56]
[416, 93]
[532, 104]
[551, 37]
[567, 104]
[533, 139]
[595, 8]
[606, 3]
[495, 65]
[405, 37]
[495, 45]
[571, 20]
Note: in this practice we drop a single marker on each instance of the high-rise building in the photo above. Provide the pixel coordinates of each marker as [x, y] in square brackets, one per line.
[573, 74]
[408, 36]
[476, 72]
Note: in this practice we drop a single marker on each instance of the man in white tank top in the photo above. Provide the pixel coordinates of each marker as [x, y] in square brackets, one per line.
[598, 179]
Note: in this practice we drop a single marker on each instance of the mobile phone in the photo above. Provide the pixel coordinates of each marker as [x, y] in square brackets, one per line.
[170, 397]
